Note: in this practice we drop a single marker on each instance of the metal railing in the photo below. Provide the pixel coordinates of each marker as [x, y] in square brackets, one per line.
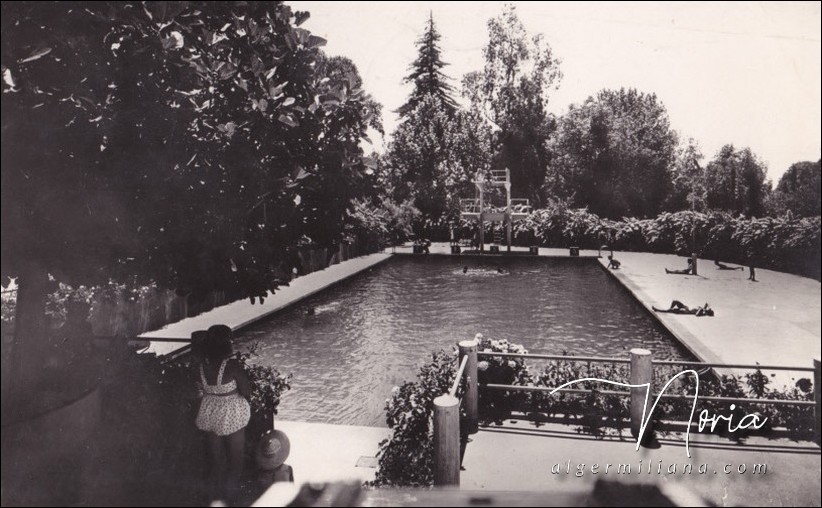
[446, 435]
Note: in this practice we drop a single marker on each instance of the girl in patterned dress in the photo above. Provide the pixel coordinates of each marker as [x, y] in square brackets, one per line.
[224, 411]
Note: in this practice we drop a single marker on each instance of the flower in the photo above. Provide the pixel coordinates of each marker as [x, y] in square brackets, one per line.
[483, 365]
[395, 390]
[478, 336]
[512, 364]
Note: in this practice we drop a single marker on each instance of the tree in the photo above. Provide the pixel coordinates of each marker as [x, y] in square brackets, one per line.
[736, 182]
[433, 157]
[426, 74]
[613, 154]
[799, 190]
[166, 142]
[688, 180]
[512, 93]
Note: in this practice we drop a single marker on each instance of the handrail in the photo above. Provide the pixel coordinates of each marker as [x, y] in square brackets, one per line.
[458, 377]
[732, 365]
[530, 388]
[585, 391]
[557, 357]
[654, 362]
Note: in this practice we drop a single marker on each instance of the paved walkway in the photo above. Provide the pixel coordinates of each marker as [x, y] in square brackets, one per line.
[322, 452]
[242, 313]
[775, 321]
[517, 456]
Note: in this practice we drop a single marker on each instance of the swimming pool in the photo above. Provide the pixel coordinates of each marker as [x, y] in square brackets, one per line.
[369, 333]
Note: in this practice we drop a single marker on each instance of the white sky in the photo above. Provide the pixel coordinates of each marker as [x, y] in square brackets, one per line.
[741, 73]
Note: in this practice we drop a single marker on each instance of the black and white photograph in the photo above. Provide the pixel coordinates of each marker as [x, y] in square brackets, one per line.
[266, 253]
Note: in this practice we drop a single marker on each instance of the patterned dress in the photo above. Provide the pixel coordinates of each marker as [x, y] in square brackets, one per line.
[223, 410]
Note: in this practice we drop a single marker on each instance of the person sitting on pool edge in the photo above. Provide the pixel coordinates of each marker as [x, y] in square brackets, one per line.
[678, 307]
[613, 264]
[686, 271]
[723, 266]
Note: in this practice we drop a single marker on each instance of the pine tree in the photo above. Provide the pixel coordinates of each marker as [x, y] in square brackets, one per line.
[426, 74]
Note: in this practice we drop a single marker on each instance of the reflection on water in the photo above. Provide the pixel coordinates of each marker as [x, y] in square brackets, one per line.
[367, 334]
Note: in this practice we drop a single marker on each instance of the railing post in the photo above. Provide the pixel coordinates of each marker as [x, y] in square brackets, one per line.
[446, 441]
[817, 398]
[471, 399]
[642, 371]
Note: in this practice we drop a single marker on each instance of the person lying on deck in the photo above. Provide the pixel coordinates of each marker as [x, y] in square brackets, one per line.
[678, 307]
[686, 271]
[723, 266]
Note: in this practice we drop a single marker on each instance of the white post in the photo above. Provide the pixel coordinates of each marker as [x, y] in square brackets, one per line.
[642, 371]
[446, 441]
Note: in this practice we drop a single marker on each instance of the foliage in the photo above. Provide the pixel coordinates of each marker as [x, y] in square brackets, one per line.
[378, 225]
[511, 92]
[406, 459]
[786, 244]
[267, 387]
[426, 74]
[432, 158]
[799, 191]
[688, 180]
[187, 143]
[596, 413]
[613, 154]
[736, 182]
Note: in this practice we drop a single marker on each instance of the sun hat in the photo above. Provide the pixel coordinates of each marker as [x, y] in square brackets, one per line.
[273, 450]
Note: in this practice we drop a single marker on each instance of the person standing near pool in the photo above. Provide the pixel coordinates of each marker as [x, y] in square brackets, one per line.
[224, 411]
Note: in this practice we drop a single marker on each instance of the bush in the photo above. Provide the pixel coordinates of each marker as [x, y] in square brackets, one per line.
[406, 459]
[781, 243]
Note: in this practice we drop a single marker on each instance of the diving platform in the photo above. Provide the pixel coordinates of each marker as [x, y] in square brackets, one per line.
[494, 203]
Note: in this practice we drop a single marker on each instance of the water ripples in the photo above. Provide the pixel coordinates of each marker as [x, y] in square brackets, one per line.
[370, 333]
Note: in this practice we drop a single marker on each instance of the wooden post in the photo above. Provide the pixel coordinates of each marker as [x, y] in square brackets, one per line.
[446, 441]
[471, 399]
[693, 264]
[817, 397]
[642, 371]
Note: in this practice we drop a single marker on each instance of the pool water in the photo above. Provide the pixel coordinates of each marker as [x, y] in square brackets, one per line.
[369, 333]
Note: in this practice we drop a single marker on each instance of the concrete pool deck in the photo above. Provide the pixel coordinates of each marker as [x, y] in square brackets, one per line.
[517, 456]
[243, 313]
[774, 321]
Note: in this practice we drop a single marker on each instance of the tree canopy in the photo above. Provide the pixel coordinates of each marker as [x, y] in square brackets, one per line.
[188, 143]
[426, 74]
[613, 154]
[433, 157]
[799, 191]
[736, 181]
[511, 92]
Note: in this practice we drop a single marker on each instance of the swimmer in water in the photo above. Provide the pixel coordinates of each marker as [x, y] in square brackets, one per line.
[464, 269]
[500, 270]
[310, 311]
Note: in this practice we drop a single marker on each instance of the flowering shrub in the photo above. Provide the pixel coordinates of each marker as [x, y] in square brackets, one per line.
[495, 405]
[598, 413]
[406, 459]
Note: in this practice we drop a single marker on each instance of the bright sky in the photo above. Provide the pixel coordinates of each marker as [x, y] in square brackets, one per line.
[741, 73]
